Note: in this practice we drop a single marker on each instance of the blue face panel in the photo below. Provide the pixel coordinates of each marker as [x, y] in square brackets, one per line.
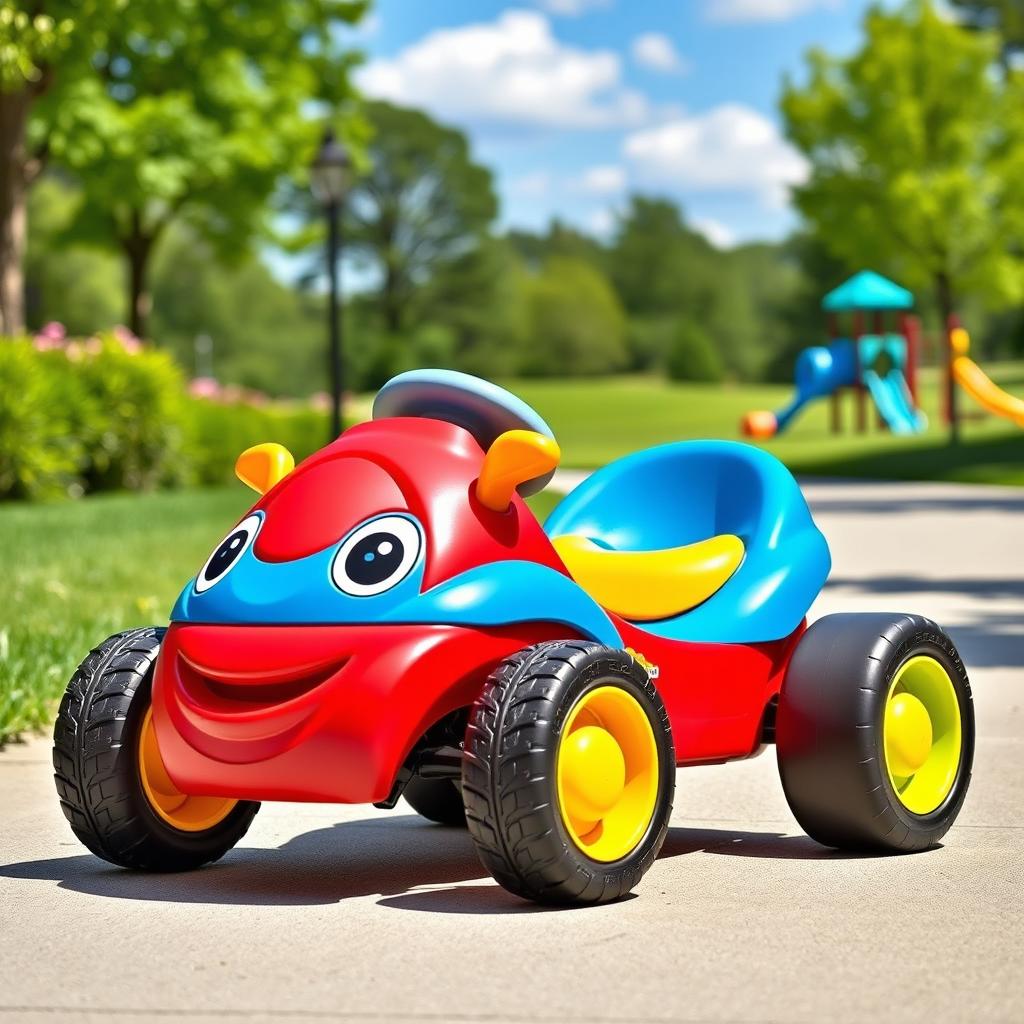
[302, 592]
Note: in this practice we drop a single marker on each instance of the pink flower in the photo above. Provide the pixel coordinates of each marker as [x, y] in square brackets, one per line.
[204, 387]
[93, 347]
[54, 330]
[74, 351]
[41, 343]
[127, 339]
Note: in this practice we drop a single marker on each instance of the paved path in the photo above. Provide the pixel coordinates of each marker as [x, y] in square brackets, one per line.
[354, 914]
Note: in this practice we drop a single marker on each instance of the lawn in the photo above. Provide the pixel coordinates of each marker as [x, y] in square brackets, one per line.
[77, 571]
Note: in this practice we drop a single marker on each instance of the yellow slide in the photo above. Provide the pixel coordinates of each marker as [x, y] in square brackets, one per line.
[970, 376]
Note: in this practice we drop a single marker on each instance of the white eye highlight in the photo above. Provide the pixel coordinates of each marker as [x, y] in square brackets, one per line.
[228, 552]
[376, 556]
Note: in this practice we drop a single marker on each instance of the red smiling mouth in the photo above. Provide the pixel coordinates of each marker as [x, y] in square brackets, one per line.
[250, 690]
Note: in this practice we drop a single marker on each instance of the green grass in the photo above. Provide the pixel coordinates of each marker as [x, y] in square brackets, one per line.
[79, 571]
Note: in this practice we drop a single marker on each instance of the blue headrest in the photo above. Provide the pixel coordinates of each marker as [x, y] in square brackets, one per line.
[482, 408]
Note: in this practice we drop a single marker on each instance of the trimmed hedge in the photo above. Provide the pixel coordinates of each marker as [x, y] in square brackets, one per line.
[108, 414]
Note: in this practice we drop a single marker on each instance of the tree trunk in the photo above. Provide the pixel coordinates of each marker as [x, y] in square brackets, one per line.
[947, 307]
[391, 304]
[137, 248]
[14, 108]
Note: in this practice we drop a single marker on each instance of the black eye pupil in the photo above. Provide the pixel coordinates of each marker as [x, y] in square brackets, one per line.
[223, 558]
[374, 559]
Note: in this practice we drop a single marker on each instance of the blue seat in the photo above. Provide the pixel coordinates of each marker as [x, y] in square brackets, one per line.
[688, 491]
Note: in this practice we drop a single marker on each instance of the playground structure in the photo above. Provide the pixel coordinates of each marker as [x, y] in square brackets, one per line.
[877, 359]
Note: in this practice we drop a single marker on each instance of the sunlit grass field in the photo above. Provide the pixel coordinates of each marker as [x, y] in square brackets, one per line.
[74, 572]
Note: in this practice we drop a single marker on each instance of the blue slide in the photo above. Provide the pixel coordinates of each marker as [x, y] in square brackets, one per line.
[820, 371]
[892, 396]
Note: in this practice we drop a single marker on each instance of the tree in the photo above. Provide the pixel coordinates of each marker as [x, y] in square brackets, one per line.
[658, 265]
[577, 326]
[421, 205]
[692, 356]
[1003, 16]
[163, 109]
[916, 156]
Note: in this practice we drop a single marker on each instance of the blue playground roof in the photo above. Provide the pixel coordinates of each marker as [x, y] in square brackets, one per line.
[867, 290]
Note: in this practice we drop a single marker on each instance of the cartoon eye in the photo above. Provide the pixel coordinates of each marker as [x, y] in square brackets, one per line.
[376, 556]
[228, 552]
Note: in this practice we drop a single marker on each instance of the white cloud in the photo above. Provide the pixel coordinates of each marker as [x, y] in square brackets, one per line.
[605, 179]
[728, 148]
[717, 233]
[654, 50]
[572, 8]
[507, 73]
[764, 10]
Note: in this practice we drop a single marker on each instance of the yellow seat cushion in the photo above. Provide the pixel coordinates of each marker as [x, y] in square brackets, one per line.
[648, 585]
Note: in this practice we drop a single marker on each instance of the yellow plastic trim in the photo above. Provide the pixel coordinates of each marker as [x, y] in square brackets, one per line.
[647, 585]
[185, 813]
[607, 773]
[922, 734]
[263, 465]
[515, 457]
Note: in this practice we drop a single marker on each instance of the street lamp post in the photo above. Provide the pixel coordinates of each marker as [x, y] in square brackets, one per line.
[329, 177]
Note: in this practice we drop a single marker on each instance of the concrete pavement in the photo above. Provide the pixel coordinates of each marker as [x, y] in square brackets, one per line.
[353, 914]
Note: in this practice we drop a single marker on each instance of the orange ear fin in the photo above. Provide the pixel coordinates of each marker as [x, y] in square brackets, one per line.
[515, 457]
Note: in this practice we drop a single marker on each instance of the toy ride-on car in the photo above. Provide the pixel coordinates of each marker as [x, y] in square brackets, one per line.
[390, 619]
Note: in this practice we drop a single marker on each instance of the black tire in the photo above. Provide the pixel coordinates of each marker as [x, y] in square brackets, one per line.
[438, 800]
[509, 772]
[830, 732]
[95, 761]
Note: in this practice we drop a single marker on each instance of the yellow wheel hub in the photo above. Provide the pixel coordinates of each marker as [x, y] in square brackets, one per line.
[186, 813]
[922, 734]
[607, 773]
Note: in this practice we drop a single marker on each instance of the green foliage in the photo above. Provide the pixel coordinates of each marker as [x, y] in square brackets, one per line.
[81, 287]
[422, 204]
[165, 111]
[218, 433]
[90, 416]
[128, 416]
[577, 326]
[692, 355]
[39, 455]
[916, 154]
[103, 415]
[1004, 16]
[264, 335]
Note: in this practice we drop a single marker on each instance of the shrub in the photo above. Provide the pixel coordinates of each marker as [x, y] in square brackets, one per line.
[129, 416]
[218, 432]
[692, 355]
[40, 453]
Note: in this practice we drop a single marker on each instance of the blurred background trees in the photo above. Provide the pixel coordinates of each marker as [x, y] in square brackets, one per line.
[151, 174]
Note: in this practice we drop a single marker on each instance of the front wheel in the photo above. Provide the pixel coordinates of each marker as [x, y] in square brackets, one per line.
[568, 773]
[111, 779]
[875, 732]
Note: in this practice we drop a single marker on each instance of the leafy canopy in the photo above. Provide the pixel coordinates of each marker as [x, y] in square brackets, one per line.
[163, 107]
[916, 154]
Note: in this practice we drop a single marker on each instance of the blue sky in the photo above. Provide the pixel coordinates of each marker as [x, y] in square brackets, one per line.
[573, 103]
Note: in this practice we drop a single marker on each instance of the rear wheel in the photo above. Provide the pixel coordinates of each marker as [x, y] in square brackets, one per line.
[875, 732]
[113, 786]
[569, 773]
[438, 800]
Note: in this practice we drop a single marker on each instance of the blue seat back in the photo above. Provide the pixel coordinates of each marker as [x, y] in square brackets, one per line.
[688, 491]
